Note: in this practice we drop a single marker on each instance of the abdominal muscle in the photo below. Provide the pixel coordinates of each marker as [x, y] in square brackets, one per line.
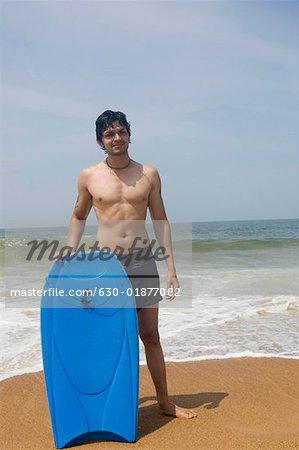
[125, 231]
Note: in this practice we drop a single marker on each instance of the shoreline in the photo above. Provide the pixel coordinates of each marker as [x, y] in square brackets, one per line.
[242, 403]
[175, 361]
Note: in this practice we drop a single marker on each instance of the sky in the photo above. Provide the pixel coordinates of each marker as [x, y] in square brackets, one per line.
[210, 89]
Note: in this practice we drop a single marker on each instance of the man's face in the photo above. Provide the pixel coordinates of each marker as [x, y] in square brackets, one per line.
[115, 139]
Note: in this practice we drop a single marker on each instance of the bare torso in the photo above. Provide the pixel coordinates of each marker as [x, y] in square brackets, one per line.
[120, 199]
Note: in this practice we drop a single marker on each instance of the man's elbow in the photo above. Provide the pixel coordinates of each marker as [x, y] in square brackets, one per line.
[161, 216]
[76, 217]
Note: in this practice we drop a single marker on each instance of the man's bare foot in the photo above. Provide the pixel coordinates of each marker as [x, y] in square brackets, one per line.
[171, 409]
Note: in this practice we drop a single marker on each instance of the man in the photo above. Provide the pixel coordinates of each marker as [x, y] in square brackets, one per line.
[121, 190]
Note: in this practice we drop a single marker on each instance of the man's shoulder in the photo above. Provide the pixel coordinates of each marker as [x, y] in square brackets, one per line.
[150, 170]
[152, 174]
[88, 171]
[87, 174]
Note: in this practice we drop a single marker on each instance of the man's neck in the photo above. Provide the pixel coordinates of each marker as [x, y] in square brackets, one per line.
[118, 162]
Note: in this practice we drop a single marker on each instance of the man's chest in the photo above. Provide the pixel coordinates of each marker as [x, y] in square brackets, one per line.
[111, 189]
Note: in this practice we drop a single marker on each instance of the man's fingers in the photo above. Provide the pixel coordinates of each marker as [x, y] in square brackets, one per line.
[170, 292]
[58, 258]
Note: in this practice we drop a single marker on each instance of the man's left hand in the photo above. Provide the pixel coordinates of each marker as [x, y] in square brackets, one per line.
[172, 286]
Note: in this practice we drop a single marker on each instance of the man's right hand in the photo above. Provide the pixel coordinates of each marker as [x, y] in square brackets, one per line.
[62, 256]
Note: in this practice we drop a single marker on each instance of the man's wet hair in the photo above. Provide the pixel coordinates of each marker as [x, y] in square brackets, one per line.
[106, 120]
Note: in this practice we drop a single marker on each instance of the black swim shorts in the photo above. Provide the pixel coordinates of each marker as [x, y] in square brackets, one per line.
[141, 269]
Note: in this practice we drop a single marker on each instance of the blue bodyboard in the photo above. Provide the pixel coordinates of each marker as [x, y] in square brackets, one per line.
[90, 351]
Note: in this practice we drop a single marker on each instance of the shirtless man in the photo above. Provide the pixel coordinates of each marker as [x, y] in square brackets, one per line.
[120, 190]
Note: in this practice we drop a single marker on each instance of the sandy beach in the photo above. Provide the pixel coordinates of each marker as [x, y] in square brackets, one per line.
[245, 403]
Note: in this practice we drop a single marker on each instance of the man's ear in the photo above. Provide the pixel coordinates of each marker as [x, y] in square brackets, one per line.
[100, 143]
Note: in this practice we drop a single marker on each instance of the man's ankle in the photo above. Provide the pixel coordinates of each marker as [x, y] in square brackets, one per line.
[164, 403]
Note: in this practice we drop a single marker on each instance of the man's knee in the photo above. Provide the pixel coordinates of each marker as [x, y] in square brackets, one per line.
[150, 337]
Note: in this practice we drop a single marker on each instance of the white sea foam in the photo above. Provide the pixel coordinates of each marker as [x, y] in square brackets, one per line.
[20, 341]
[213, 328]
[245, 301]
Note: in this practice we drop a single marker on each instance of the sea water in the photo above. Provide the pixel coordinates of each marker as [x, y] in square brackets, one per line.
[245, 294]
[245, 281]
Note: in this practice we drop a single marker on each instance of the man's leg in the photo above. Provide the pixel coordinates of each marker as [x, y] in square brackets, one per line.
[149, 334]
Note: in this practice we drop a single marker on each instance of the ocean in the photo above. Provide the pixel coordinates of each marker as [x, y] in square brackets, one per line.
[241, 279]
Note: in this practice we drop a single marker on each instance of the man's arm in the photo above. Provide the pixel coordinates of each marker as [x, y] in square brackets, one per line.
[81, 210]
[162, 227]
